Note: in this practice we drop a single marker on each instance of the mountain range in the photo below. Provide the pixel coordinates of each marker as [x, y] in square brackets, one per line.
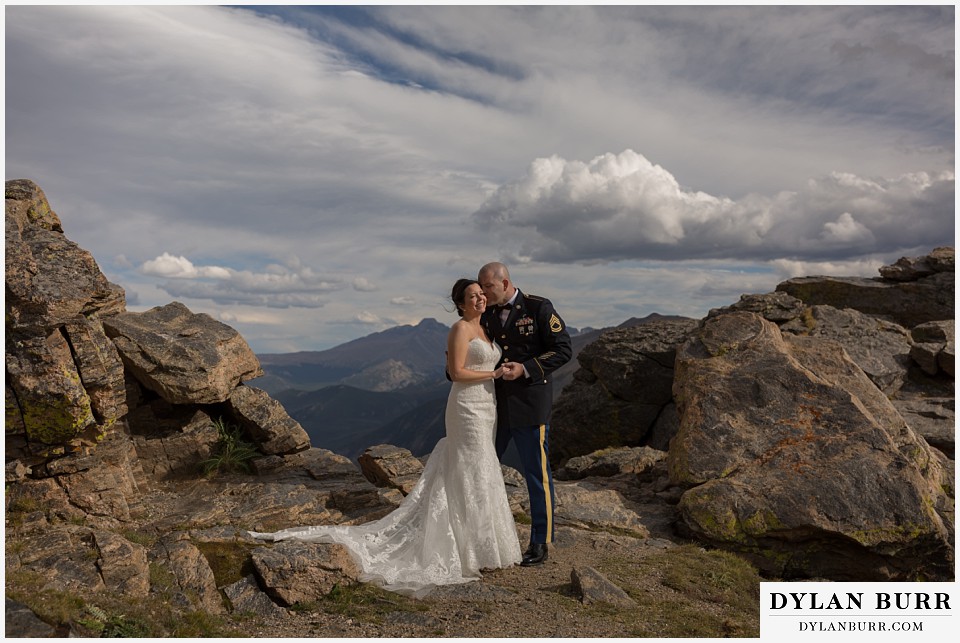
[385, 388]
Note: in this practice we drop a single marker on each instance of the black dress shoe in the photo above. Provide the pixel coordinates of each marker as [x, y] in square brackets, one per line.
[535, 555]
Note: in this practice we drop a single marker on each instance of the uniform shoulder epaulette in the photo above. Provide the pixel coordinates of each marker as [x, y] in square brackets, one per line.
[534, 297]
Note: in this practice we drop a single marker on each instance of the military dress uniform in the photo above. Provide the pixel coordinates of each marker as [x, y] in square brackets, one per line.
[532, 335]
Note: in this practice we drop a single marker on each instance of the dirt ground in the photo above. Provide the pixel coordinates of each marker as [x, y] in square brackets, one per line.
[540, 602]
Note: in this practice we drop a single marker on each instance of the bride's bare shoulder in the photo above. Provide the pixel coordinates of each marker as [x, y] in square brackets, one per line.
[459, 330]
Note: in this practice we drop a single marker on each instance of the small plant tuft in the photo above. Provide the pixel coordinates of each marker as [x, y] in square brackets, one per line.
[233, 453]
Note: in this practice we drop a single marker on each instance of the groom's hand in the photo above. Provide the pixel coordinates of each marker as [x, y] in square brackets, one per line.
[512, 370]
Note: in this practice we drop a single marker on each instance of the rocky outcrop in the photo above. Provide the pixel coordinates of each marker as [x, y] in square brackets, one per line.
[185, 358]
[96, 488]
[295, 572]
[934, 346]
[80, 560]
[192, 580]
[914, 268]
[896, 379]
[266, 421]
[880, 348]
[610, 462]
[64, 377]
[588, 505]
[104, 406]
[80, 368]
[911, 292]
[622, 392]
[795, 459]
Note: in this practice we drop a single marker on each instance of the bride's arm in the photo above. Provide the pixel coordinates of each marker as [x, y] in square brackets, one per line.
[457, 343]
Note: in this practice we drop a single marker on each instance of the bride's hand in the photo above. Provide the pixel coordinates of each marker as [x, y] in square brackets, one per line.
[498, 373]
[512, 370]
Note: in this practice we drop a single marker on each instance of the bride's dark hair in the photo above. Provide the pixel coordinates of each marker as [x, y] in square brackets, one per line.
[459, 289]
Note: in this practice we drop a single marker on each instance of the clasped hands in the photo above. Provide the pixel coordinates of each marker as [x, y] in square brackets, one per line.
[509, 371]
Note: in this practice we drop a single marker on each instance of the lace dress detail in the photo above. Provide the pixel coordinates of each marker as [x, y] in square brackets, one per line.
[456, 520]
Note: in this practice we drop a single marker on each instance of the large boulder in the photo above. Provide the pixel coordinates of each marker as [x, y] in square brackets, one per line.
[590, 506]
[908, 296]
[623, 386]
[81, 560]
[610, 462]
[386, 465]
[793, 458]
[64, 378]
[934, 346]
[267, 422]
[912, 268]
[778, 307]
[191, 577]
[298, 572]
[50, 280]
[96, 488]
[184, 357]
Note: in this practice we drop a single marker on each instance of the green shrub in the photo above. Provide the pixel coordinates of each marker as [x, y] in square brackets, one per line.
[232, 452]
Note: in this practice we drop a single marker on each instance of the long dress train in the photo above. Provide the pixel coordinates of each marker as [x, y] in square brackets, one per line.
[456, 520]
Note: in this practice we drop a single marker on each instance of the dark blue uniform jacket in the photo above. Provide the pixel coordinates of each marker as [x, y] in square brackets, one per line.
[535, 336]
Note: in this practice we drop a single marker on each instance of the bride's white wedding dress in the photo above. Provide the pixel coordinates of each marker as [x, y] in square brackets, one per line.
[456, 520]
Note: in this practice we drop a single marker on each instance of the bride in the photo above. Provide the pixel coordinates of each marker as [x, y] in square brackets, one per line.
[456, 520]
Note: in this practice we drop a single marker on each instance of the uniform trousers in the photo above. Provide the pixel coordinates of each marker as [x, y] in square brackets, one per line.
[531, 442]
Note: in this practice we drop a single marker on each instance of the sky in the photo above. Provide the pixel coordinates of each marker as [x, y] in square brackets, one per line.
[313, 174]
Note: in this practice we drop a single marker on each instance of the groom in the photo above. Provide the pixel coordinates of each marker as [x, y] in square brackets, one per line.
[535, 343]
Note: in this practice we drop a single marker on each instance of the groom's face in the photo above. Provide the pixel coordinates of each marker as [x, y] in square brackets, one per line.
[494, 288]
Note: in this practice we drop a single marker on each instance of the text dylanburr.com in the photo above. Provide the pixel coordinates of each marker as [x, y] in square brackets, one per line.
[912, 611]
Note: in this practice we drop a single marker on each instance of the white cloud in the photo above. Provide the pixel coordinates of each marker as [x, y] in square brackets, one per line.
[258, 317]
[368, 318]
[403, 301]
[171, 267]
[277, 286]
[846, 230]
[364, 285]
[622, 206]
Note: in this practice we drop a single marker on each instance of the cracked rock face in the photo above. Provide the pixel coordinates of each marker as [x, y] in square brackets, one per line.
[621, 392]
[792, 456]
[911, 292]
[64, 378]
[184, 357]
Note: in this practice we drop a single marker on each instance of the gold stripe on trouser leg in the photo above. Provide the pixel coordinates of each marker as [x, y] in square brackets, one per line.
[545, 475]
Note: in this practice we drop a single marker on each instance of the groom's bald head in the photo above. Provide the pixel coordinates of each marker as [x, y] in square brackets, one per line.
[494, 278]
[496, 270]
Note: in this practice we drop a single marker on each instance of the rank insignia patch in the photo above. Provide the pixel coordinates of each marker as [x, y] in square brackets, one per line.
[555, 324]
